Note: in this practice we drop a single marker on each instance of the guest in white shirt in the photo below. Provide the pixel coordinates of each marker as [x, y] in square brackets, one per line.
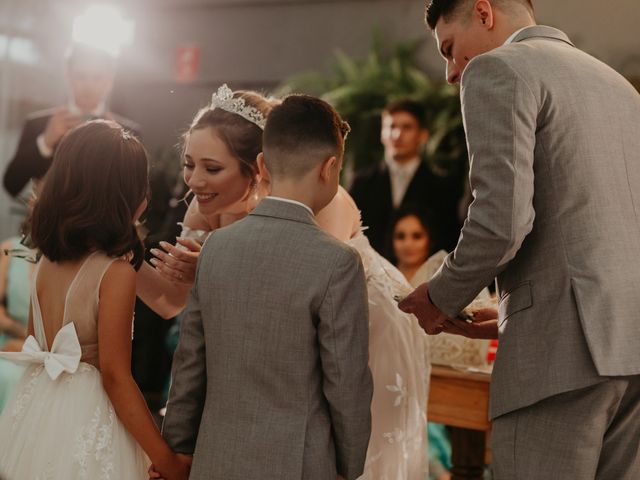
[405, 179]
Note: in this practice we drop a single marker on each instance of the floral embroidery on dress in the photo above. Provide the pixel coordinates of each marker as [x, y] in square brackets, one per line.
[95, 440]
[24, 397]
[400, 389]
[47, 474]
[396, 436]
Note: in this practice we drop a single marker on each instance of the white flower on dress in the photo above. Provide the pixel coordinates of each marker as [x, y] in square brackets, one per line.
[400, 389]
[396, 436]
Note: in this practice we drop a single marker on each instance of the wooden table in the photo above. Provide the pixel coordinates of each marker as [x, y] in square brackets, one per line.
[461, 401]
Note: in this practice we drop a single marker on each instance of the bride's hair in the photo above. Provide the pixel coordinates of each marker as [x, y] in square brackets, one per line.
[242, 137]
[97, 181]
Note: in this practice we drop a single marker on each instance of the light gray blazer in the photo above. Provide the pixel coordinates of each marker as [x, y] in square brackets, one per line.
[271, 377]
[554, 145]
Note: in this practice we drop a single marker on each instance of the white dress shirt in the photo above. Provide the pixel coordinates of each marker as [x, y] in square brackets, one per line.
[295, 202]
[515, 34]
[401, 175]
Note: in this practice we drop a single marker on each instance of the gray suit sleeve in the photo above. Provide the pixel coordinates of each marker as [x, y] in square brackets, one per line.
[189, 380]
[343, 332]
[500, 117]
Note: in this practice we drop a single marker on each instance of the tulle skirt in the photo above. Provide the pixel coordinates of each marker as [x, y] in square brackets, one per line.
[66, 429]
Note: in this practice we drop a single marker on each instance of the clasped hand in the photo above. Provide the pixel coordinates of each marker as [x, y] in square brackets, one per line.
[178, 468]
[484, 323]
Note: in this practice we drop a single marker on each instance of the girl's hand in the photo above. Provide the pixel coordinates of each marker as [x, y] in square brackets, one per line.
[177, 264]
[176, 467]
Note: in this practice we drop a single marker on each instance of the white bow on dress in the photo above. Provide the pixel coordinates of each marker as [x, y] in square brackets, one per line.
[64, 356]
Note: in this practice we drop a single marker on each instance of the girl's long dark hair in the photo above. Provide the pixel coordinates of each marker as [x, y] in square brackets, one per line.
[97, 181]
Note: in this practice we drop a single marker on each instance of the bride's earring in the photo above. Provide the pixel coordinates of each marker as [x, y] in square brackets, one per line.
[252, 197]
[186, 196]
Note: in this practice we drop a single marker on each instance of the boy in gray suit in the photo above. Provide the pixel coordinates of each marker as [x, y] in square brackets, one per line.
[271, 378]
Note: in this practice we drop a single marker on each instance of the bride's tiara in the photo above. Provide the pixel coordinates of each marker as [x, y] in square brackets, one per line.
[223, 99]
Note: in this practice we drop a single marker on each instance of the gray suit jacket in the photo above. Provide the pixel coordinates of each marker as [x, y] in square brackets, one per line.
[271, 377]
[554, 145]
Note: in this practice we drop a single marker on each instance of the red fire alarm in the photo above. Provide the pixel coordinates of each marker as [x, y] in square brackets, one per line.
[187, 63]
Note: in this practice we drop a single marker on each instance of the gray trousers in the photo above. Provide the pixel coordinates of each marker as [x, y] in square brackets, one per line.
[591, 433]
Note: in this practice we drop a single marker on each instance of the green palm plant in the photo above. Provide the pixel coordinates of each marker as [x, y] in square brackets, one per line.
[360, 88]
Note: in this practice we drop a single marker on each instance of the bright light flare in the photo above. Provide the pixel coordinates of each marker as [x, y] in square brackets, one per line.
[103, 27]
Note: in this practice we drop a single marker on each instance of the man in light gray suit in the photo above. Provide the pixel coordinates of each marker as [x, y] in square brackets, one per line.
[271, 377]
[554, 146]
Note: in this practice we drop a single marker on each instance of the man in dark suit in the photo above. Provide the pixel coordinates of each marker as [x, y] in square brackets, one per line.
[404, 179]
[89, 76]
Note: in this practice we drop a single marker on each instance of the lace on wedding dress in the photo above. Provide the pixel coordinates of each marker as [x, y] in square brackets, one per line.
[399, 363]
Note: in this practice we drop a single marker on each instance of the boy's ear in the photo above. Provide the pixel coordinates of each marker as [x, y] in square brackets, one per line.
[263, 171]
[326, 168]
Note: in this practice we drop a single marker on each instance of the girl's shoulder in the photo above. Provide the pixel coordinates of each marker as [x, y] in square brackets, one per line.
[109, 268]
[117, 273]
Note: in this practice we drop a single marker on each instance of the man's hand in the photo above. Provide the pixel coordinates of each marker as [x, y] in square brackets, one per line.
[60, 123]
[484, 325]
[430, 317]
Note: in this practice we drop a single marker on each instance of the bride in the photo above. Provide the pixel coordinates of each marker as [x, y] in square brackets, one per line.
[220, 168]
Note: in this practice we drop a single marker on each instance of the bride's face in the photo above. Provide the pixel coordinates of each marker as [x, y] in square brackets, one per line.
[213, 173]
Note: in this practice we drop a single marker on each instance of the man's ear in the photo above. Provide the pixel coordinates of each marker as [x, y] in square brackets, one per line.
[327, 167]
[425, 134]
[263, 171]
[483, 11]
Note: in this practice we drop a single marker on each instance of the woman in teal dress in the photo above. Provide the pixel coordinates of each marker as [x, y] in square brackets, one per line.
[15, 280]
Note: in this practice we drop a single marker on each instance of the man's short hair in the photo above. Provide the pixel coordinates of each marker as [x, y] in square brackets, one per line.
[413, 108]
[300, 133]
[450, 9]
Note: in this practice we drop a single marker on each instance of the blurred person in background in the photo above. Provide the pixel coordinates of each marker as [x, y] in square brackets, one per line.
[411, 241]
[89, 75]
[405, 178]
[15, 286]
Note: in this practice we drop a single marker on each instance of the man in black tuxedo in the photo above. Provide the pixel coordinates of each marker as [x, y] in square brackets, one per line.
[404, 179]
[89, 76]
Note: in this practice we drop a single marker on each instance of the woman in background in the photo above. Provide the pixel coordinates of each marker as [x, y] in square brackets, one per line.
[15, 285]
[411, 241]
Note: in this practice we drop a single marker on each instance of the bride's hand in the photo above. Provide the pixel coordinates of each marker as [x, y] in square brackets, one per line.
[177, 264]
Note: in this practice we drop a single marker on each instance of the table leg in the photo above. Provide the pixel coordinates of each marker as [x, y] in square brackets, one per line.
[467, 453]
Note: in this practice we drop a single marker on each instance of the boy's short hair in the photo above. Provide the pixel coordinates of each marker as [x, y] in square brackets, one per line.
[300, 133]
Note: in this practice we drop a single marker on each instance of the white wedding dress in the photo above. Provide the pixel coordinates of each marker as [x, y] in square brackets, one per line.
[399, 362]
[59, 423]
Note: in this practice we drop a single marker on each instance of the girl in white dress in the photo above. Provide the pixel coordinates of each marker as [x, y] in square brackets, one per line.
[77, 413]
